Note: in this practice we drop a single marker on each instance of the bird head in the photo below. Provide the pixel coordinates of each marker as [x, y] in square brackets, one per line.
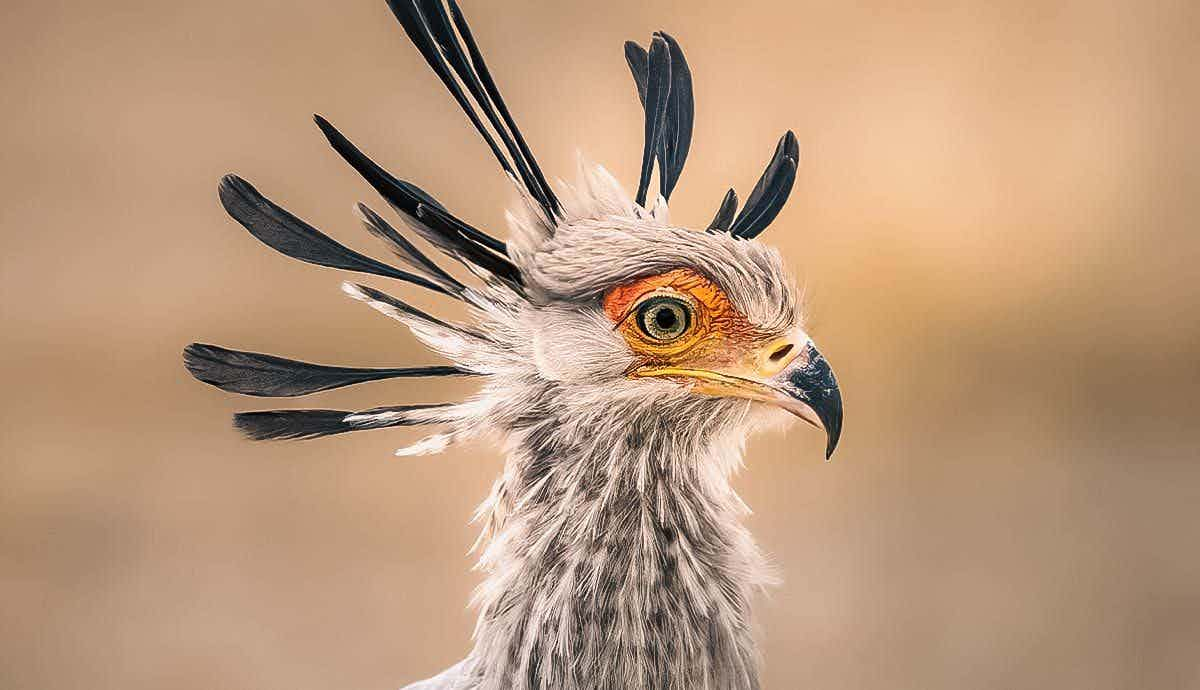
[635, 309]
[597, 303]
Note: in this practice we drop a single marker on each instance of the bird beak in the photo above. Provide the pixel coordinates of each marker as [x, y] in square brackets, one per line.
[789, 373]
[807, 388]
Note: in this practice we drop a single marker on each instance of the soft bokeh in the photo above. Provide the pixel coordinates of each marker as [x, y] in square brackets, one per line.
[995, 220]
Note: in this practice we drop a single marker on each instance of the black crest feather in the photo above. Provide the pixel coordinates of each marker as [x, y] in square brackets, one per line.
[437, 228]
[664, 86]
[407, 251]
[639, 65]
[285, 233]
[771, 192]
[658, 91]
[425, 215]
[485, 75]
[681, 114]
[724, 217]
[278, 425]
[402, 195]
[396, 191]
[253, 373]
[430, 29]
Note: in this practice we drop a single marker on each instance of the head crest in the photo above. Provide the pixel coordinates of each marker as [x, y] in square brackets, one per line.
[439, 31]
[664, 86]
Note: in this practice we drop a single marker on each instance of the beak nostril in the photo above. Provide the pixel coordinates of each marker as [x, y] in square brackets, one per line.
[781, 352]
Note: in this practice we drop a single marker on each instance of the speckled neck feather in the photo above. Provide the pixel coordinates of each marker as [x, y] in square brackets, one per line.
[616, 558]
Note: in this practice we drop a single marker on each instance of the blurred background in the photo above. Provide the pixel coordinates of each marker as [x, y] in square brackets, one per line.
[995, 220]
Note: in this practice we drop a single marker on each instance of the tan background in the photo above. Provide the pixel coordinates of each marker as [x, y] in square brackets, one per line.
[995, 218]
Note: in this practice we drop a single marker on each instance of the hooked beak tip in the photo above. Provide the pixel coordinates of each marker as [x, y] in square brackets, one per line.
[832, 436]
[831, 418]
[811, 383]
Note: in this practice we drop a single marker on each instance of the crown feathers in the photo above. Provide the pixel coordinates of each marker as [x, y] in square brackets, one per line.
[429, 28]
[664, 86]
[724, 217]
[285, 233]
[771, 192]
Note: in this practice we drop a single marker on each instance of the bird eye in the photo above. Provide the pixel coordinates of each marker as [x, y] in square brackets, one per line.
[664, 318]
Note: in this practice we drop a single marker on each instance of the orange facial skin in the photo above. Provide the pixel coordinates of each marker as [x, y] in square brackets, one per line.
[719, 337]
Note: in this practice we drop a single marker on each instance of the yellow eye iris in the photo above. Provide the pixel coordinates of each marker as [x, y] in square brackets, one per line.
[663, 318]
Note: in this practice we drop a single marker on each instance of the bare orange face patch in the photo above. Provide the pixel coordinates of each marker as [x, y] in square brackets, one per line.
[712, 329]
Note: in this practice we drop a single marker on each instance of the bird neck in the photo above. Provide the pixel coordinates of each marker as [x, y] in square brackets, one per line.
[616, 558]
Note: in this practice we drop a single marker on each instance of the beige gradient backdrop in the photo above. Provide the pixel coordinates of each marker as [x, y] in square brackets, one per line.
[995, 219]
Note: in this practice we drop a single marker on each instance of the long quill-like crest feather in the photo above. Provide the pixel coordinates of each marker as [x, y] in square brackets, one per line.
[407, 251]
[429, 28]
[771, 193]
[672, 138]
[278, 425]
[288, 235]
[253, 373]
[402, 195]
[724, 217]
[658, 91]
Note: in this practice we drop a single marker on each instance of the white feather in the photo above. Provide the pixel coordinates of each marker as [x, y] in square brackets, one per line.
[429, 445]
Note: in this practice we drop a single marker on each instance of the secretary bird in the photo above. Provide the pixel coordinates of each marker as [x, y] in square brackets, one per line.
[623, 361]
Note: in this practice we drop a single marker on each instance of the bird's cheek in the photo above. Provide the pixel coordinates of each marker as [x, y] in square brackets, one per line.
[572, 347]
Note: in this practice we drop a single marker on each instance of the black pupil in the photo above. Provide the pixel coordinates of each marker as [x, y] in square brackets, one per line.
[665, 318]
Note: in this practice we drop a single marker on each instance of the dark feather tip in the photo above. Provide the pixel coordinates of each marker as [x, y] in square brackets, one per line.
[658, 91]
[404, 196]
[459, 64]
[406, 250]
[664, 86]
[275, 227]
[253, 373]
[680, 117]
[279, 425]
[724, 216]
[771, 191]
